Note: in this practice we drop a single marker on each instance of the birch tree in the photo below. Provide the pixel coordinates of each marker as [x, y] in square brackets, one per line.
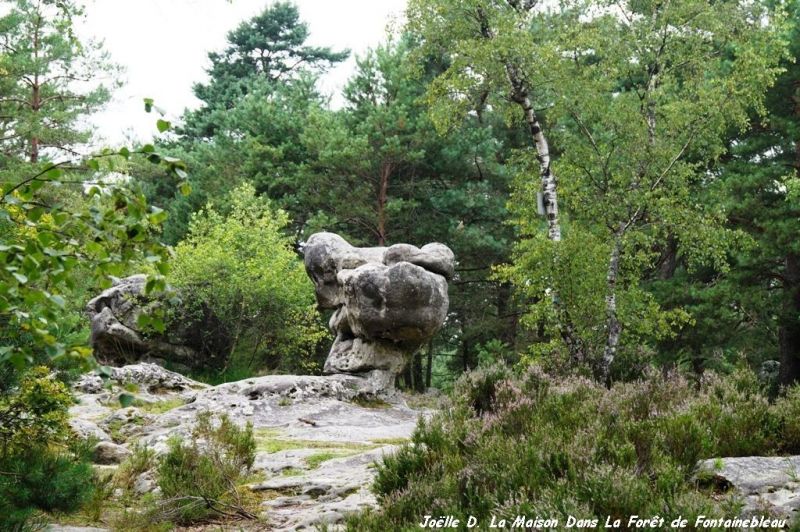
[648, 91]
[496, 60]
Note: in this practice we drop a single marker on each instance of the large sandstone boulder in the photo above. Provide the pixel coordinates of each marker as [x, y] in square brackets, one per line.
[198, 341]
[387, 302]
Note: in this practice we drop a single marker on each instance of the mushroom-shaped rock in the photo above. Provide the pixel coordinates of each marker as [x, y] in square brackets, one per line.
[386, 301]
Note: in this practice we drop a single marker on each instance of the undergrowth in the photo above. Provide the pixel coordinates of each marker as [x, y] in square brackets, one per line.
[532, 444]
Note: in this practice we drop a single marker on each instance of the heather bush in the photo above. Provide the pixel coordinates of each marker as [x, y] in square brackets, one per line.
[199, 478]
[530, 443]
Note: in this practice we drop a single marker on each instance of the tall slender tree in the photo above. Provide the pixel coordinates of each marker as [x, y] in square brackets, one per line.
[647, 93]
[50, 78]
[496, 60]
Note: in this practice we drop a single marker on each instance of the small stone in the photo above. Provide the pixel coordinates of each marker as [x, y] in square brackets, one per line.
[144, 483]
[90, 383]
[106, 453]
[85, 429]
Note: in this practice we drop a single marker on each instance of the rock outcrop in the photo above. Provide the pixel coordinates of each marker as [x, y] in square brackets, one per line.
[387, 302]
[767, 485]
[117, 338]
[317, 436]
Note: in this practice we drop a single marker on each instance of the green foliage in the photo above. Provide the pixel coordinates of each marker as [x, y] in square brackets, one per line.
[538, 444]
[48, 78]
[41, 468]
[272, 47]
[636, 111]
[35, 412]
[199, 477]
[242, 268]
[38, 480]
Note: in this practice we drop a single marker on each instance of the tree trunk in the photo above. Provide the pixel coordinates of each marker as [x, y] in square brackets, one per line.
[520, 95]
[669, 259]
[549, 195]
[789, 328]
[35, 106]
[506, 315]
[613, 326]
[383, 194]
[429, 367]
[36, 100]
[412, 372]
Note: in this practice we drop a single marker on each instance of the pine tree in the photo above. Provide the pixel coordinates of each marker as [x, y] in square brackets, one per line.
[43, 71]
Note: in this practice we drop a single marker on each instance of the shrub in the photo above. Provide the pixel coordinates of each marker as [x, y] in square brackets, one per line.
[141, 459]
[787, 410]
[41, 467]
[241, 268]
[535, 443]
[36, 412]
[199, 478]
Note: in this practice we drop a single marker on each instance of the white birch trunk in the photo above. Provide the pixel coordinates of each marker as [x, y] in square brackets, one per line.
[613, 326]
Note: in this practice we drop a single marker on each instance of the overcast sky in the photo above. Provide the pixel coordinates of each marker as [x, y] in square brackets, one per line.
[163, 45]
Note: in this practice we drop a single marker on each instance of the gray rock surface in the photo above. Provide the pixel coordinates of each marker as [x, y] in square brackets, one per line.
[767, 484]
[59, 528]
[117, 338]
[107, 453]
[387, 302]
[317, 436]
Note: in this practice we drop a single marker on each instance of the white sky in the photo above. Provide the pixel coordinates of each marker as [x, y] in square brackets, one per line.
[163, 45]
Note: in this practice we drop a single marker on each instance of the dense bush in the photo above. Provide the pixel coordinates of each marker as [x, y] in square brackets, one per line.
[199, 478]
[240, 266]
[41, 467]
[539, 445]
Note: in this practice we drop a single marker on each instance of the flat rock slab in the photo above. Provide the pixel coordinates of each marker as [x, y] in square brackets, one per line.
[766, 483]
[318, 437]
[59, 528]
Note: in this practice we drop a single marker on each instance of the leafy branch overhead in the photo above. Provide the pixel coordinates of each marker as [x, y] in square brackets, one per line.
[49, 240]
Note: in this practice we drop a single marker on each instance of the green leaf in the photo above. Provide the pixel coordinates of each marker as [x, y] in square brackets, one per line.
[158, 216]
[54, 173]
[126, 400]
[35, 214]
[163, 125]
[148, 105]
[185, 188]
[19, 277]
[143, 320]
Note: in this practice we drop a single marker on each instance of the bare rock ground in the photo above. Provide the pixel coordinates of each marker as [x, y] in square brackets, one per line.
[318, 437]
